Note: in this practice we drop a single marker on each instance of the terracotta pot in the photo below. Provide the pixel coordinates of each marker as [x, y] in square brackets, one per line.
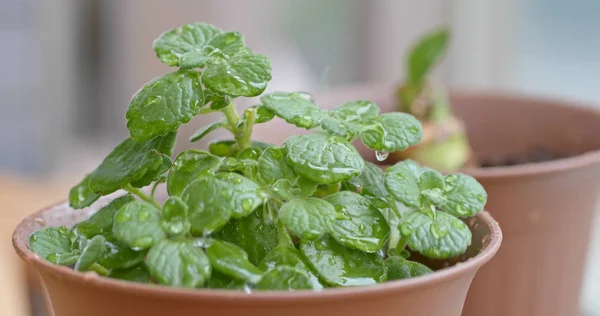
[545, 209]
[75, 294]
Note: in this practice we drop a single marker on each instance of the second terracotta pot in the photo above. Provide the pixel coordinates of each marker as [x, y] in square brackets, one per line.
[545, 209]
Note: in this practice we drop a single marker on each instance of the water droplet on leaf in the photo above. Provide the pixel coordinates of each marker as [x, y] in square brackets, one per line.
[247, 204]
[413, 129]
[381, 155]
[481, 198]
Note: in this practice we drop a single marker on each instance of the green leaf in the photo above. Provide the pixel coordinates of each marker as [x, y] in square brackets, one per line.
[356, 111]
[173, 44]
[255, 234]
[188, 166]
[91, 253]
[119, 255]
[174, 217]
[336, 127]
[217, 101]
[369, 182]
[138, 274]
[51, 243]
[285, 189]
[358, 224]
[341, 266]
[244, 194]
[178, 263]
[219, 280]
[295, 108]
[81, 196]
[102, 221]
[227, 148]
[307, 218]
[392, 132]
[195, 59]
[466, 197]
[287, 255]
[137, 225]
[231, 260]
[242, 75]
[286, 279]
[425, 54]
[323, 159]
[131, 162]
[402, 182]
[432, 186]
[228, 43]
[400, 268]
[436, 235]
[263, 114]
[210, 208]
[272, 166]
[205, 130]
[250, 153]
[163, 104]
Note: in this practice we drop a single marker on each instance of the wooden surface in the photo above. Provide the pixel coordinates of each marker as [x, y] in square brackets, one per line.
[20, 197]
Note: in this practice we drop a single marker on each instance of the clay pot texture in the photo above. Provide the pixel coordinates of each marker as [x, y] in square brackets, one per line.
[75, 294]
[545, 209]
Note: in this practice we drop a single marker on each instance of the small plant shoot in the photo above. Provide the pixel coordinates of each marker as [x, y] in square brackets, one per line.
[245, 215]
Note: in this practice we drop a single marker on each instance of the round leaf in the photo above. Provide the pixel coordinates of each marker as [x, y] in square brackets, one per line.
[295, 108]
[358, 224]
[323, 159]
[174, 216]
[137, 225]
[272, 166]
[369, 182]
[402, 182]
[466, 197]
[81, 196]
[356, 111]
[392, 132]
[231, 260]
[336, 127]
[208, 200]
[307, 218]
[171, 45]
[51, 243]
[244, 194]
[102, 221]
[188, 166]
[342, 266]
[436, 235]
[178, 263]
[242, 75]
[163, 104]
[119, 256]
[400, 268]
[285, 278]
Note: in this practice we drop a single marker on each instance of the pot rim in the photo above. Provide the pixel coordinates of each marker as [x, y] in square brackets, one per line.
[489, 249]
[499, 172]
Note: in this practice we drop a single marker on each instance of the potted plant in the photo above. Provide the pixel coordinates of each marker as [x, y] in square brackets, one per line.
[530, 150]
[247, 217]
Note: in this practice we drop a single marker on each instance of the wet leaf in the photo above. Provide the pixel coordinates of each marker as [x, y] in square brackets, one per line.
[137, 225]
[392, 132]
[227, 148]
[174, 217]
[231, 260]
[131, 162]
[400, 268]
[272, 166]
[138, 274]
[436, 235]
[81, 196]
[295, 108]
[244, 194]
[323, 159]
[52, 243]
[285, 278]
[287, 255]
[92, 252]
[219, 280]
[205, 130]
[356, 111]
[178, 263]
[402, 182]
[163, 104]
[358, 224]
[307, 218]
[188, 166]
[466, 197]
[209, 204]
[242, 75]
[189, 38]
[369, 182]
[119, 256]
[342, 266]
[102, 221]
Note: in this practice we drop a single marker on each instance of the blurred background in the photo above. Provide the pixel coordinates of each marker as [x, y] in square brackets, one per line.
[68, 69]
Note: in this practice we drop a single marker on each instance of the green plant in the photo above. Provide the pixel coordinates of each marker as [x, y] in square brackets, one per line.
[250, 215]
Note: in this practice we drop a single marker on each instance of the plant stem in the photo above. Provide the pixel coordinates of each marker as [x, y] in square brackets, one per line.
[245, 140]
[141, 195]
[232, 117]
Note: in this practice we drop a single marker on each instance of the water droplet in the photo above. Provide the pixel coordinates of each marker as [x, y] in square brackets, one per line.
[247, 204]
[237, 180]
[481, 197]
[142, 243]
[240, 124]
[361, 228]
[413, 129]
[438, 231]
[400, 175]
[277, 153]
[143, 215]
[304, 121]
[381, 155]
[225, 194]
[405, 229]
[123, 217]
[306, 95]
